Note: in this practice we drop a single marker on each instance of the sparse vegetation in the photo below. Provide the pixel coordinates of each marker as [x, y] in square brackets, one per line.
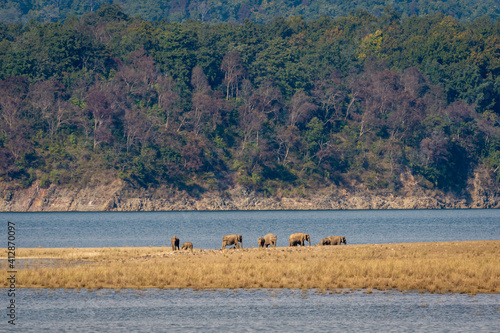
[440, 267]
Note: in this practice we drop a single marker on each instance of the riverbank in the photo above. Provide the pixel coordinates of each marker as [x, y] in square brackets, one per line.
[117, 195]
[439, 267]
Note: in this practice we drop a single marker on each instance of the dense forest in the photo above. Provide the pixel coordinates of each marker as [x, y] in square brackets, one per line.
[259, 11]
[280, 108]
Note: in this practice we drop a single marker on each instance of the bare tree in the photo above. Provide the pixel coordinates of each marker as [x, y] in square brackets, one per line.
[168, 100]
[234, 70]
[300, 108]
[413, 82]
[100, 108]
[201, 8]
[11, 100]
[250, 123]
[139, 76]
[287, 137]
[268, 99]
[17, 144]
[12, 107]
[434, 149]
[207, 107]
[329, 93]
[192, 153]
[206, 111]
[379, 92]
[46, 96]
[135, 126]
[199, 81]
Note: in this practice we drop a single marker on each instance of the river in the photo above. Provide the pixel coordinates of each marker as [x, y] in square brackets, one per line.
[252, 311]
[249, 310]
[205, 229]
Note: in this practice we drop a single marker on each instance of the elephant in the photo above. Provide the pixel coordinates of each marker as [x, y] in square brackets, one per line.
[187, 246]
[326, 241]
[337, 240]
[298, 239]
[236, 240]
[175, 243]
[261, 241]
[270, 240]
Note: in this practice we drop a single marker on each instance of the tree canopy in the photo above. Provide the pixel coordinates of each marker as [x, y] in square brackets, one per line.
[279, 107]
[236, 11]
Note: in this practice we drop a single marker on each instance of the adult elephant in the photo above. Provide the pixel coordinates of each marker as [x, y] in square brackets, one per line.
[236, 240]
[187, 246]
[298, 239]
[175, 243]
[261, 241]
[270, 240]
[337, 240]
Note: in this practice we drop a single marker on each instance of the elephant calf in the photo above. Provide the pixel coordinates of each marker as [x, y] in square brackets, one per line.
[337, 240]
[326, 241]
[236, 240]
[175, 243]
[187, 246]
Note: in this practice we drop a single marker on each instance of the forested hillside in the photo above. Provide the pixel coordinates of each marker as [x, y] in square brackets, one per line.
[283, 108]
[260, 11]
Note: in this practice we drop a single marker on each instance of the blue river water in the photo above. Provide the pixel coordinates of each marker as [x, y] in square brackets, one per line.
[205, 229]
[251, 311]
[42, 310]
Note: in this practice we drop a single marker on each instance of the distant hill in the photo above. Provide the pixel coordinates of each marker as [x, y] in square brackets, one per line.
[357, 107]
[260, 11]
[287, 108]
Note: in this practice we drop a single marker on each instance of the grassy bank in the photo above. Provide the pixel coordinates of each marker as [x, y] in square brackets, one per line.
[457, 267]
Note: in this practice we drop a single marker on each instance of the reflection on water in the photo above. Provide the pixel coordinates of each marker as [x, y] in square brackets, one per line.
[251, 310]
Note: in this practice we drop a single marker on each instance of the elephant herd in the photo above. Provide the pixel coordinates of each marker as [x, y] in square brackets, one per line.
[333, 240]
[263, 242]
[267, 240]
[185, 246]
[300, 239]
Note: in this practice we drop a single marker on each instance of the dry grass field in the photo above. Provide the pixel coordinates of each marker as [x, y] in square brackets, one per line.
[438, 267]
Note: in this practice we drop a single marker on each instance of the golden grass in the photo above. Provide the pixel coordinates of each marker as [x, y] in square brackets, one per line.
[456, 267]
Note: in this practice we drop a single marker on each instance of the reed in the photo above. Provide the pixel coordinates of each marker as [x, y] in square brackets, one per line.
[440, 267]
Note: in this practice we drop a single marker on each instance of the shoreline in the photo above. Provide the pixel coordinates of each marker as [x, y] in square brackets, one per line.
[119, 196]
[271, 291]
[469, 267]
